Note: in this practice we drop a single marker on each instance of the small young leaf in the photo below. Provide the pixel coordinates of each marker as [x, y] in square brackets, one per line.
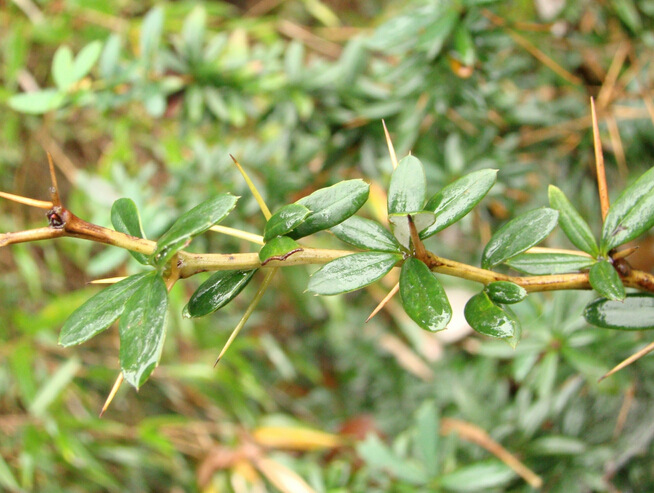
[571, 222]
[488, 318]
[406, 192]
[192, 223]
[284, 220]
[142, 330]
[519, 235]
[464, 46]
[100, 311]
[221, 288]
[605, 280]
[151, 32]
[62, 68]
[366, 234]
[423, 297]
[458, 198]
[352, 272]
[400, 225]
[539, 264]
[37, 102]
[630, 215]
[331, 205]
[125, 218]
[85, 59]
[505, 292]
[636, 312]
[279, 248]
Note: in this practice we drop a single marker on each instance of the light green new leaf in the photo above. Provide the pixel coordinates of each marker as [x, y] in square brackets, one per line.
[406, 192]
[37, 102]
[151, 30]
[193, 32]
[352, 272]
[539, 264]
[100, 311]
[285, 220]
[125, 218]
[331, 205]
[192, 223]
[630, 215]
[110, 57]
[62, 68]
[636, 312]
[458, 198]
[464, 46]
[143, 330]
[479, 476]
[85, 59]
[366, 234]
[571, 222]
[221, 288]
[505, 292]
[400, 225]
[605, 280]
[519, 235]
[423, 297]
[279, 248]
[488, 318]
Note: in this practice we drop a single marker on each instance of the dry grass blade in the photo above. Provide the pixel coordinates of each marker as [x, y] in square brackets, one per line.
[108, 280]
[112, 394]
[253, 189]
[389, 143]
[237, 233]
[599, 163]
[634, 357]
[54, 190]
[618, 148]
[606, 91]
[41, 204]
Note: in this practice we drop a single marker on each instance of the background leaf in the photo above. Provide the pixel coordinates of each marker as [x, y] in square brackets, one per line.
[85, 59]
[37, 102]
[62, 68]
[406, 192]
[423, 296]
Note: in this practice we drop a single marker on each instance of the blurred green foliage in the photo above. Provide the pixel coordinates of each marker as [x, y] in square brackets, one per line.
[296, 90]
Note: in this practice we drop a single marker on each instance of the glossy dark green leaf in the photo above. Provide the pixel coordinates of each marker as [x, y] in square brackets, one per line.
[142, 330]
[505, 292]
[37, 102]
[100, 311]
[458, 198]
[488, 318]
[279, 248]
[125, 218]
[605, 280]
[479, 476]
[352, 272]
[221, 288]
[423, 296]
[284, 220]
[366, 234]
[519, 235]
[406, 192]
[400, 225]
[571, 222]
[331, 206]
[192, 223]
[539, 264]
[631, 214]
[635, 312]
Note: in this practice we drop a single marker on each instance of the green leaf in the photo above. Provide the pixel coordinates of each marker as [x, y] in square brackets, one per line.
[423, 297]
[406, 192]
[125, 218]
[636, 312]
[221, 288]
[100, 311]
[630, 215]
[109, 66]
[481, 476]
[37, 102]
[458, 198]
[571, 222]
[505, 292]
[192, 223]
[434, 35]
[519, 235]
[193, 33]
[366, 234]
[285, 220]
[62, 68]
[142, 330]
[85, 59]
[488, 318]
[400, 225]
[427, 436]
[605, 280]
[331, 205]
[464, 46]
[151, 33]
[538, 264]
[279, 248]
[378, 456]
[352, 272]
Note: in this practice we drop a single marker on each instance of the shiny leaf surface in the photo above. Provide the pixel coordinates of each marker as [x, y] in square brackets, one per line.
[142, 330]
[573, 225]
[214, 293]
[279, 248]
[423, 297]
[331, 205]
[488, 318]
[284, 220]
[366, 234]
[125, 218]
[539, 264]
[352, 272]
[505, 292]
[519, 235]
[458, 198]
[605, 280]
[406, 192]
[635, 312]
[100, 311]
